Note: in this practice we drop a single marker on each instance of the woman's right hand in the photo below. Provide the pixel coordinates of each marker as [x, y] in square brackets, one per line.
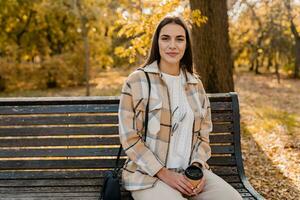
[176, 180]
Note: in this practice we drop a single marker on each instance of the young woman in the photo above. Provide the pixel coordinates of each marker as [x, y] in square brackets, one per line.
[179, 123]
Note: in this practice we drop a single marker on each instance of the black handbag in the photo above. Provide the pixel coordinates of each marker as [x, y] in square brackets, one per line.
[111, 189]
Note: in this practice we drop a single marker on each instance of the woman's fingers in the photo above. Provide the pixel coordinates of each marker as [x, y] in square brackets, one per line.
[185, 186]
[200, 186]
[178, 182]
[188, 183]
[182, 190]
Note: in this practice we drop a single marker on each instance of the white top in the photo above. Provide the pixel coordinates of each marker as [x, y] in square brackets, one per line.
[182, 122]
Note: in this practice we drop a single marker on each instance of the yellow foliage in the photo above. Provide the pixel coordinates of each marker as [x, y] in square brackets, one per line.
[197, 18]
[139, 26]
[58, 71]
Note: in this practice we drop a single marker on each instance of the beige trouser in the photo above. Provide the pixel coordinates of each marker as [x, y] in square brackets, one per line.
[215, 189]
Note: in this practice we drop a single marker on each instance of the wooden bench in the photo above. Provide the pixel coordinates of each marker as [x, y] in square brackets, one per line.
[60, 148]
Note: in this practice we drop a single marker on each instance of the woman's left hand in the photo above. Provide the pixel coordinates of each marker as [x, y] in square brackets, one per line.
[199, 187]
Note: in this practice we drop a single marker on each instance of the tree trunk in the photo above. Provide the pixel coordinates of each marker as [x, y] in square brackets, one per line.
[297, 48]
[277, 67]
[252, 63]
[2, 84]
[257, 66]
[295, 32]
[297, 62]
[84, 21]
[86, 54]
[212, 53]
[270, 64]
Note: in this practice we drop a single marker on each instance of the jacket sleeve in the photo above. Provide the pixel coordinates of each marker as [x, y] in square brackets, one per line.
[202, 149]
[130, 135]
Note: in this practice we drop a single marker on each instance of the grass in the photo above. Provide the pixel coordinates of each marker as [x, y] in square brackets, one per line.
[272, 119]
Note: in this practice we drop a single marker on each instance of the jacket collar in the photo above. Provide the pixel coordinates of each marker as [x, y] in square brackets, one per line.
[153, 68]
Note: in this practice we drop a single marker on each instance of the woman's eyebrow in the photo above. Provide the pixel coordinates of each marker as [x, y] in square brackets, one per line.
[164, 35]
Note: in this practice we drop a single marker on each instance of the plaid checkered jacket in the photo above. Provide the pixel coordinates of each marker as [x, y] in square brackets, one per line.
[145, 159]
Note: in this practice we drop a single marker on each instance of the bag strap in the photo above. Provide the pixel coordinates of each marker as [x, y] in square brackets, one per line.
[147, 106]
[117, 169]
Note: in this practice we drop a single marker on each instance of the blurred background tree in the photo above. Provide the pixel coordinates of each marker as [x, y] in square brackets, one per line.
[62, 43]
[41, 41]
[262, 36]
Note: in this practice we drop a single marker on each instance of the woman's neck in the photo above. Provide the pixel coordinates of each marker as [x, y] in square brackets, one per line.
[172, 69]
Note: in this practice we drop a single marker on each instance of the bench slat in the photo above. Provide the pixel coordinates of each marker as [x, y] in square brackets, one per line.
[88, 163]
[221, 117]
[58, 164]
[47, 189]
[63, 174]
[51, 182]
[224, 170]
[57, 130]
[224, 138]
[88, 108]
[58, 120]
[58, 196]
[67, 152]
[231, 179]
[249, 198]
[43, 192]
[82, 130]
[13, 197]
[52, 194]
[223, 149]
[218, 106]
[222, 161]
[75, 182]
[59, 109]
[88, 119]
[64, 152]
[82, 195]
[247, 195]
[88, 141]
[237, 185]
[222, 128]
[14, 101]
[19, 174]
[59, 142]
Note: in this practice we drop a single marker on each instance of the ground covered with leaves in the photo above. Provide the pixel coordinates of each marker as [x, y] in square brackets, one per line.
[270, 126]
[270, 122]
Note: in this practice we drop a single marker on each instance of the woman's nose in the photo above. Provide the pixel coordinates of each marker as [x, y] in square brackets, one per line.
[172, 44]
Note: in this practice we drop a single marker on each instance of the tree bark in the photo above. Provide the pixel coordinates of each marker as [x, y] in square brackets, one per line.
[2, 84]
[83, 21]
[212, 53]
[297, 49]
[297, 63]
[277, 67]
[296, 35]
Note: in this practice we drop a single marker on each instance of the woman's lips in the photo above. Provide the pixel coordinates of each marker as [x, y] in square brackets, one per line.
[172, 54]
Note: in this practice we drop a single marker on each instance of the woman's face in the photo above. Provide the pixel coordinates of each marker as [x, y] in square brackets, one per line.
[172, 43]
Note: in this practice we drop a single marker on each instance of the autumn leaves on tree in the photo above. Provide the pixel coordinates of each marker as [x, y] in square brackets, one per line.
[60, 43]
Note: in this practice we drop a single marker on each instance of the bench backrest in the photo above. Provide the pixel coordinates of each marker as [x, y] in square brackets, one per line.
[77, 139]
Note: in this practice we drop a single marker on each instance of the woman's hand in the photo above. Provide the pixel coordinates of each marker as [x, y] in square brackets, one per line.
[199, 187]
[176, 181]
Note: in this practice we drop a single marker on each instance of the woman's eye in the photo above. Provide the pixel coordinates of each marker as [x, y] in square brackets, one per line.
[179, 39]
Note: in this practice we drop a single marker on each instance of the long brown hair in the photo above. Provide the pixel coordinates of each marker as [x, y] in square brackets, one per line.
[186, 61]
